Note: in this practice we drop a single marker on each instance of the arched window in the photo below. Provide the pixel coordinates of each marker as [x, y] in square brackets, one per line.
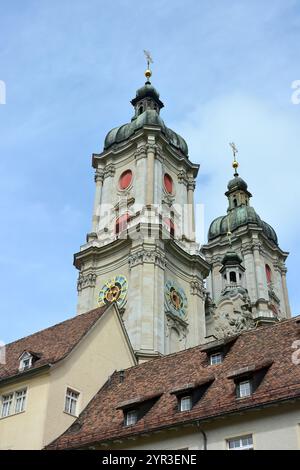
[235, 202]
[174, 340]
[141, 109]
[268, 274]
[232, 276]
[122, 223]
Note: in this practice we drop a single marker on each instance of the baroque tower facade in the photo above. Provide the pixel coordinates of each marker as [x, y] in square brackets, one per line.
[247, 282]
[141, 252]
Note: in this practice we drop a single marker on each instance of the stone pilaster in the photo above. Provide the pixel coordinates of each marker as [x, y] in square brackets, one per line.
[99, 177]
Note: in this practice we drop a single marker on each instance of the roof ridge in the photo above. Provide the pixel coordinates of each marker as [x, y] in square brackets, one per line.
[55, 325]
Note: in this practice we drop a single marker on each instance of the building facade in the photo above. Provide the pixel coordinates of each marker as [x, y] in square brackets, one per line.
[169, 337]
[142, 252]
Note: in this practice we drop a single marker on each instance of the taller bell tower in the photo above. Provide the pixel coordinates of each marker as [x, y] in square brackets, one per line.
[141, 253]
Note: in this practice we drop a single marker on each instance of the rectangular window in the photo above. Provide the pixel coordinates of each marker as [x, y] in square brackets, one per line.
[130, 418]
[240, 443]
[20, 400]
[186, 403]
[71, 402]
[6, 405]
[244, 389]
[216, 359]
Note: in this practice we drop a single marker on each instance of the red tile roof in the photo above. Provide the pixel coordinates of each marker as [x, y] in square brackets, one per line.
[269, 346]
[49, 345]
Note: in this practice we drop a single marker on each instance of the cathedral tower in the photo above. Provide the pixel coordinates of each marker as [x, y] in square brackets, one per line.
[141, 252]
[247, 283]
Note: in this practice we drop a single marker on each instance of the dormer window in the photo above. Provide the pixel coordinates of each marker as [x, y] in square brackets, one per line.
[25, 361]
[186, 403]
[136, 409]
[216, 358]
[244, 389]
[189, 394]
[131, 417]
[248, 379]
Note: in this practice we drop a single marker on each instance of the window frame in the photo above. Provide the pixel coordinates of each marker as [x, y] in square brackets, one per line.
[26, 356]
[187, 399]
[127, 418]
[13, 402]
[238, 388]
[240, 439]
[69, 399]
[22, 398]
[7, 398]
[219, 354]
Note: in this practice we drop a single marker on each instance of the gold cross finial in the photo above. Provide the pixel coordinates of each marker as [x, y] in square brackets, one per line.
[149, 59]
[235, 163]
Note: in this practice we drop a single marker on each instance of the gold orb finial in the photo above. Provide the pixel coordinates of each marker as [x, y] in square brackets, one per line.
[149, 59]
[235, 163]
[148, 73]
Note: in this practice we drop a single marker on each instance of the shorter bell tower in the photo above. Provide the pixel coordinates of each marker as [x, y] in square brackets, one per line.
[247, 283]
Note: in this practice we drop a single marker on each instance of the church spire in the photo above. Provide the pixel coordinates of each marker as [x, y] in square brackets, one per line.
[147, 97]
[237, 189]
[235, 163]
[148, 72]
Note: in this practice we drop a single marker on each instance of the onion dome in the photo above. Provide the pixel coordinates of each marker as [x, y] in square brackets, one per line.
[239, 213]
[147, 106]
[231, 258]
[237, 183]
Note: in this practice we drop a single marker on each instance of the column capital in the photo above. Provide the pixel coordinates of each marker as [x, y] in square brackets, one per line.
[197, 288]
[191, 185]
[99, 175]
[140, 152]
[151, 147]
[147, 256]
[86, 280]
[109, 170]
[182, 177]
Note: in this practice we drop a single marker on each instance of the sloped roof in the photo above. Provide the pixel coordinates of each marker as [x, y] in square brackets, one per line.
[49, 345]
[269, 347]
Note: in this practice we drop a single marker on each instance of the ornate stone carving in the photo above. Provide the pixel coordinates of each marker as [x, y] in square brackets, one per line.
[227, 324]
[197, 288]
[99, 175]
[182, 177]
[109, 170]
[140, 152]
[147, 256]
[151, 148]
[177, 324]
[168, 200]
[191, 185]
[86, 280]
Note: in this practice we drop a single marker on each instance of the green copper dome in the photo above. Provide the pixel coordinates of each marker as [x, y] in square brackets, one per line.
[239, 212]
[238, 217]
[237, 183]
[147, 107]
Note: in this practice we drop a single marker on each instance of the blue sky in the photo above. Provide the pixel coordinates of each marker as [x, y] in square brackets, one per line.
[224, 69]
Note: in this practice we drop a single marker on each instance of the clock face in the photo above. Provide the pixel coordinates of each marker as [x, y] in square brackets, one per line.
[114, 290]
[175, 299]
